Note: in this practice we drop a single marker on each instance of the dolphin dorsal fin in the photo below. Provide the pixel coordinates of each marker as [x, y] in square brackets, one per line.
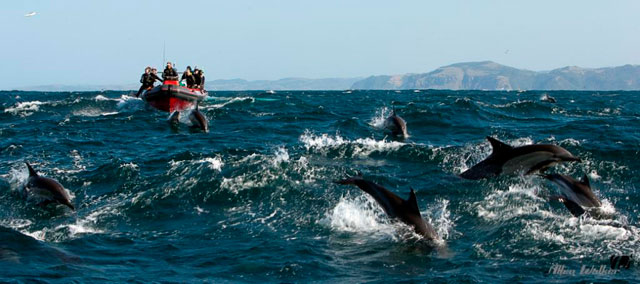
[585, 181]
[412, 202]
[498, 146]
[32, 172]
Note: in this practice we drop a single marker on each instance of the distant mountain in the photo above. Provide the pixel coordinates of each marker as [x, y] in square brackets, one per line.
[485, 75]
[283, 84]
[488, 75]
[221, 85]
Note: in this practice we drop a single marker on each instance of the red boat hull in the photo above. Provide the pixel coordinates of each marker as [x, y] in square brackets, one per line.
[171, 97]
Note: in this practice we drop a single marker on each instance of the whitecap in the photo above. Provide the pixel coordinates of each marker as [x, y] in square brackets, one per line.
[361, 146]
[228, 102]
[24, 109]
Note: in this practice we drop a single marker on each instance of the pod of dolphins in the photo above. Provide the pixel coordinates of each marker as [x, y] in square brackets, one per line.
[504, 159]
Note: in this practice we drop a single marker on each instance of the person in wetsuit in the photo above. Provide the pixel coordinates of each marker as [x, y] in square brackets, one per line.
[199, 79]
[201, 74]
[144, 79]
[188, 76]
[154, 76]
[196, 78]
[169, 73]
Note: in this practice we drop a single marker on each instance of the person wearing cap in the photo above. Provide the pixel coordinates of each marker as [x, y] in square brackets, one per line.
[169, 73]
[144, 79]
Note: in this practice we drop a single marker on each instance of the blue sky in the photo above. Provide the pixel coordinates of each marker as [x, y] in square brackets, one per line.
[110, 42]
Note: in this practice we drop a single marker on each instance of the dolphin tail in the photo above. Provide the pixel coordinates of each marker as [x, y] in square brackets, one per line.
[32, 172]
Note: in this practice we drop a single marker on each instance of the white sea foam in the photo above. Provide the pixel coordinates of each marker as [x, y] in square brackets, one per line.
[605, 112]
[128, 103]
[77, 164]
[377, 121]
[24, 109]
[279, 165]
[359, 215]
[504, 205]
[241, 182]
[103, 98]
[200, 210]
[89, 224]
[361, 146]
[442, 220]
[520, 205]
[281, 156]
[214, 163]
[88, 112]
[17, 176]
[229, 101]
[129, 166]
[63, 232]
[570, 142]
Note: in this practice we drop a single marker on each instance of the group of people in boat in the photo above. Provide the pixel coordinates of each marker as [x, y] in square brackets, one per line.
[194, 79]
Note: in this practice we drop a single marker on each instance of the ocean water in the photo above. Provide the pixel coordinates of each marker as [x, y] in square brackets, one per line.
[253, 200]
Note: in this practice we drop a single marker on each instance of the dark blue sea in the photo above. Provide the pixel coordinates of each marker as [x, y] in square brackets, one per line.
[253, 200]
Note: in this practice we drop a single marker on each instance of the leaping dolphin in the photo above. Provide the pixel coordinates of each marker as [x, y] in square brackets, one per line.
[46, 189]
[198, 120]
[405, 210]
[396, 125]
[508, 159]
[575, 194]
[547, 98]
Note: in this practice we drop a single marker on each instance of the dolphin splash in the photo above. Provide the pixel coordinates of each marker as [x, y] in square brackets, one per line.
[405, 210]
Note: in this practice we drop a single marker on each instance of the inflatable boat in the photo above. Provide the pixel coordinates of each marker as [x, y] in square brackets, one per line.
[170, 96]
